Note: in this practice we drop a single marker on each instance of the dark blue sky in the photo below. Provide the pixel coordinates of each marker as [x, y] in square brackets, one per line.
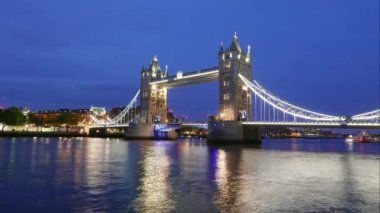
[319, 54]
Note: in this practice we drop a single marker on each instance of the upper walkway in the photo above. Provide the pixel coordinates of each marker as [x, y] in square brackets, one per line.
[188, 78]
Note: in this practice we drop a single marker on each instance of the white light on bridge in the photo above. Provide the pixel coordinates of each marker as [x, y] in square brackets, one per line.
[179, 74]
[201, 74]
[158, 82]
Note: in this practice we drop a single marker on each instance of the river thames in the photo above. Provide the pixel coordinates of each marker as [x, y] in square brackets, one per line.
[188, 175]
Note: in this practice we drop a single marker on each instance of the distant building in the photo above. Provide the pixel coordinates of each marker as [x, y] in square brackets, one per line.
[133, 113]
[295, 134]
[49, 116]
[98, 111]
[25, 110]
[115, 111]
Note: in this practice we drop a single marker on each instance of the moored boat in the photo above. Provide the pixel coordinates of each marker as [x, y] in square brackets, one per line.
[363, 137]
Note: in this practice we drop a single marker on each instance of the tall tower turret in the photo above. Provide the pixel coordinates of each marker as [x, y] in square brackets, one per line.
[235, 100]
[153, 100]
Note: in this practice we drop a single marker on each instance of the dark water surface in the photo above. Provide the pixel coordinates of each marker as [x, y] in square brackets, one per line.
[88, 174]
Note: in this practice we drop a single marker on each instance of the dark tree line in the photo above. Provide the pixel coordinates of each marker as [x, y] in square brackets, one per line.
[11, 116]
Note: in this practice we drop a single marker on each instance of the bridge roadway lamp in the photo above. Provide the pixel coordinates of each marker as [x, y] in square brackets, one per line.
[345, 119]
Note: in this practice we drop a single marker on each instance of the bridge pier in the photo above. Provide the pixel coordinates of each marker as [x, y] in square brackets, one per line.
[232, 132]
[144, 131]
[165, 135]
[97, 132]
[104, 131]
[140, 131]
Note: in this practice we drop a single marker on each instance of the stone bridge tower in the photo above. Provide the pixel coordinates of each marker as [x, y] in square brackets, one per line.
[153, 100]
[235, 99]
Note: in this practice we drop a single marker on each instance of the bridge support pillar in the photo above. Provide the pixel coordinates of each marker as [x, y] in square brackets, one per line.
[140, 131]
[146, 132]
[232, 132]
[165, 135]
[97, 132]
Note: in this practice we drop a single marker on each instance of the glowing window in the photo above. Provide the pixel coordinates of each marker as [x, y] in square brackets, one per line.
[226, 96]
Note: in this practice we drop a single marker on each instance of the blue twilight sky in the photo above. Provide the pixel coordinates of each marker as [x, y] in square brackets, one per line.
[319, 54]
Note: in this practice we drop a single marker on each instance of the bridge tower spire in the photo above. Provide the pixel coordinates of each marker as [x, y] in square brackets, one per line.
[235, 102]
[153, 99]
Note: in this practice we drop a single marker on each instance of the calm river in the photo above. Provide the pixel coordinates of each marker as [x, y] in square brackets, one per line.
[115, 175]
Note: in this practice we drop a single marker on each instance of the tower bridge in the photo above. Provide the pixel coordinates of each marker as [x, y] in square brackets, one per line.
[244, 104]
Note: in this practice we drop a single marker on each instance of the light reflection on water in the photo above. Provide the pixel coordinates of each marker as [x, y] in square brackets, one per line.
[88, 174]
[154, 188]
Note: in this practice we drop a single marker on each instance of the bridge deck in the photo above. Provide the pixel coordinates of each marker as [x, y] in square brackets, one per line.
[273, 124]
[315, 124]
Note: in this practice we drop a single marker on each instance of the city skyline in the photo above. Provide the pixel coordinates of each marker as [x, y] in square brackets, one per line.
[328, 63]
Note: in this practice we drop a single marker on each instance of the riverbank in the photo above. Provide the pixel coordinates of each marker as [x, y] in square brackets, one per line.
[306, 137]
[107, 135]
[57, 134]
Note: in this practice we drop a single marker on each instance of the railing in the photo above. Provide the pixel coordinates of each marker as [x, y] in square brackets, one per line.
[118, 118]
[294, 112]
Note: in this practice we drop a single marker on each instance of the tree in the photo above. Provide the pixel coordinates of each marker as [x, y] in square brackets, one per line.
[38, 122]
[67, 119]
[2, 119]
[12, 116]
